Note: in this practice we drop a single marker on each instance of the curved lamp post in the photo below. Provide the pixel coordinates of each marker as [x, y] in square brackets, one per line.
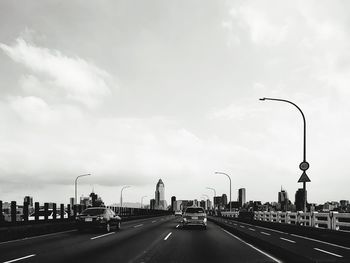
[230, 187]
[121, 194]
[213, 189]
[142, 199]
[304, 165]
[76, 186]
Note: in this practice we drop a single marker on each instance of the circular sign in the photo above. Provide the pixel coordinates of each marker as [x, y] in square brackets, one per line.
[304, 166]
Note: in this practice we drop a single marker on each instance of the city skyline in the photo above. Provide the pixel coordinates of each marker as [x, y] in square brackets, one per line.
[132, 92]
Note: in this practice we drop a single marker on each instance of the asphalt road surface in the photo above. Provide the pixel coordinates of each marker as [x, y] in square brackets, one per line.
[150, 240]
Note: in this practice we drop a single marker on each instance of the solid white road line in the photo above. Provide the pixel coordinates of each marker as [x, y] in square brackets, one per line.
[167, 236]
[288, 240]
[252, 229]
[264, 233]
[327, 252]
[46, 235]
[323, 242]
[18, 259]
[262, 252]
[102, 235]
[138, 225]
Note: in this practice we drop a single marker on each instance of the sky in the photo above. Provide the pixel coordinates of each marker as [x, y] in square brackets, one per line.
[135, 91]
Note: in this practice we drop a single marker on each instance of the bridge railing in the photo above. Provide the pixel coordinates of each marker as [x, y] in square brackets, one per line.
[13, 214]
[330, 220]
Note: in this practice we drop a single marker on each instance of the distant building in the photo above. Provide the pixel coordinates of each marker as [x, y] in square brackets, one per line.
[159, 196]
[241, 197]
[330, 206]
[209, 205]
[28, 200]
[224, 200]
[71, 201]
[84, 200]
[181, 205]
[173, 199]
[203, 204]
[344, 206]
[152, 204]
[299, 199]
[283, 200]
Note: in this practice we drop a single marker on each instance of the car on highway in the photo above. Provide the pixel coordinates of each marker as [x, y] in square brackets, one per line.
[194, 216]
[98, 217]
[178, 213]
[49, 213]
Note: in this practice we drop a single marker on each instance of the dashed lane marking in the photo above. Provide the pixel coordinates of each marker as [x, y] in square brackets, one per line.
[262, 252]
[288, 240]
[252, 229]
[327, 252]
[18, 259]
[138, 225]
[102, 235]
[154, 221]
[177, 226]
[264, 233]
[323, 242]
[167, 236]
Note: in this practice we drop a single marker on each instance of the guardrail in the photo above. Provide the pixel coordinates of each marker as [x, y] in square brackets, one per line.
[331, 220]
[51, 212]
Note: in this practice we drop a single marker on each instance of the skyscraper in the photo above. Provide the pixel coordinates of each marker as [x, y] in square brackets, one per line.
[283, 200]
[241, 197]
[299, 199]
[159, 196]
[28, 200]
[173, 199]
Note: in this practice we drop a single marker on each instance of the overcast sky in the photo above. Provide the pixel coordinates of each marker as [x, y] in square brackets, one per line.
[134, 91]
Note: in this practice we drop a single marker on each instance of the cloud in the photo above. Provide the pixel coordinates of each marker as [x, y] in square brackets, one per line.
[262, 24]
[80, 80]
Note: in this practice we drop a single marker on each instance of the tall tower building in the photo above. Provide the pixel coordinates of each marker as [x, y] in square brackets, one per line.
[159, 196]
[173, 199]
[241, 197]
[299, 199]
[283, 199]
[28, 200]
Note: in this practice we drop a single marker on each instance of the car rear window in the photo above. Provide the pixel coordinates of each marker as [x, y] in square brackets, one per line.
[194, 210]
[93, 211]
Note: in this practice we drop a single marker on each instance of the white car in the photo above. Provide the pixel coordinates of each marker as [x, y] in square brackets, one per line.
[194, 216]
[178, 213]
[41, 215]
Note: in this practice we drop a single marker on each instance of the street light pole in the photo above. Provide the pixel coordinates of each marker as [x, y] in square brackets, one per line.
[213, 189]
[121, 194]
[76, 186]
[304, 165]
[142, 199]
[230, 187]
[206, 202]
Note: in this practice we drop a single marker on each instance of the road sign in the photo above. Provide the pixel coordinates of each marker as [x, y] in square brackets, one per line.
[304, 166]
[304, 178]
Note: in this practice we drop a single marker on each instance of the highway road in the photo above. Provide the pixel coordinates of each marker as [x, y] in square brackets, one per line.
[302, 247]
[150, 240]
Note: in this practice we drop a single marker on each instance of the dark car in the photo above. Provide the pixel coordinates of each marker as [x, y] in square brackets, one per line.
[98, 217]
